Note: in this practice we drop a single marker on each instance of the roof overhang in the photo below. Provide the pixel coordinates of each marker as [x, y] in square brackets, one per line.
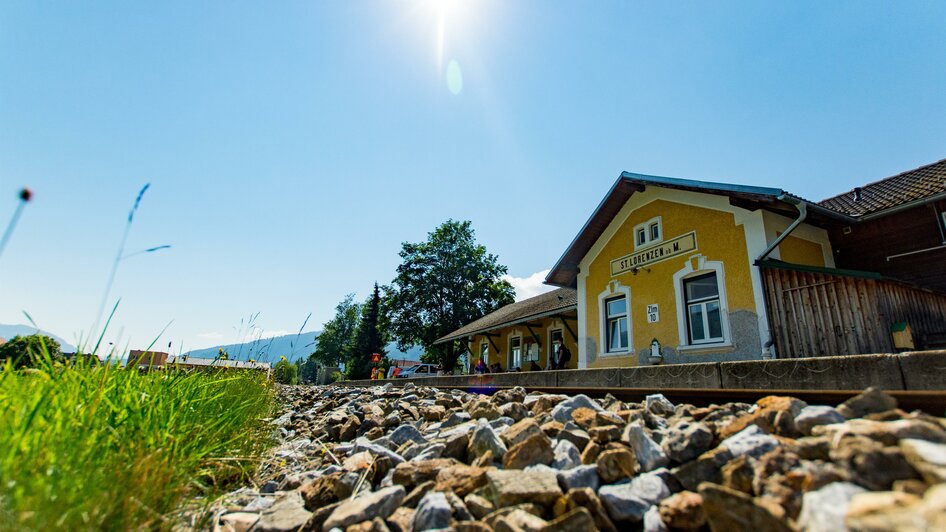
[524, 319]
[902, 207]
[565, 271]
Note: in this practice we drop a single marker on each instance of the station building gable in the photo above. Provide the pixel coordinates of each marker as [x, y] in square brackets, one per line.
[673, 267]
[666, 271]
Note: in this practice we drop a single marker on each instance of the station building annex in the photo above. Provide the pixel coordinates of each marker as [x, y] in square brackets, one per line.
[670, 270]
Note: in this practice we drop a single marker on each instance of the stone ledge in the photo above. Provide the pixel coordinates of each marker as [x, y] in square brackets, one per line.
[696, 375]
[918, 370]
[854, 372]
[923, 370]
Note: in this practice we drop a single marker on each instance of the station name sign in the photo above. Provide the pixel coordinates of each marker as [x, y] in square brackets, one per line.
[662, 251]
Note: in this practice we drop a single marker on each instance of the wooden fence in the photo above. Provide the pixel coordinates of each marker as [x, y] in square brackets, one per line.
[815, 313]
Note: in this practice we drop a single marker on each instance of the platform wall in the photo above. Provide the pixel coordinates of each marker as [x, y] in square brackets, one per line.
[919, 370]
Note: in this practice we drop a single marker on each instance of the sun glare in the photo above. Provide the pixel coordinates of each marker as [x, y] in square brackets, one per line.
[449, 15]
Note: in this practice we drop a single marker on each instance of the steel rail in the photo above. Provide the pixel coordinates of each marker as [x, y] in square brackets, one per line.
[929, 401]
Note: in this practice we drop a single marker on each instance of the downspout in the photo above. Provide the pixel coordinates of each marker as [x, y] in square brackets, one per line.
[802, 214]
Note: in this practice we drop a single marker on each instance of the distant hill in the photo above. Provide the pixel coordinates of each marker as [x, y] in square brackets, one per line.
[9, 331]
[291, 346]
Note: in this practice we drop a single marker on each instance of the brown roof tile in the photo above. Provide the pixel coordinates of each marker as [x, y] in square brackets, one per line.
[562, 299]
[893, 191]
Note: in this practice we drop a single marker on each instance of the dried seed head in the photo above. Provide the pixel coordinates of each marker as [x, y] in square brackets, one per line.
[26, 194]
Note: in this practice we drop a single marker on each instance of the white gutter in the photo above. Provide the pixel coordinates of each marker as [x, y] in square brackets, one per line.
[802, 215]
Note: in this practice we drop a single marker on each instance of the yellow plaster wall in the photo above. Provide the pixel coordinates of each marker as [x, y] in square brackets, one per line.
[800, 251]
[718, 238]
[502, 341]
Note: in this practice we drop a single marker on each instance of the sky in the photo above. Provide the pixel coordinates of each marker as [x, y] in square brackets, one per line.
[291, 147]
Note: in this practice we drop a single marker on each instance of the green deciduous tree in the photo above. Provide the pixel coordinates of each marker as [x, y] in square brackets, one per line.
[29, 351]
[334, 343]
[368, 340]
[308, 370]
[441, 285]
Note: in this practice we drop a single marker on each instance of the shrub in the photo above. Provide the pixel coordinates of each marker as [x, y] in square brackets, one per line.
[285, 372]
[30, 351]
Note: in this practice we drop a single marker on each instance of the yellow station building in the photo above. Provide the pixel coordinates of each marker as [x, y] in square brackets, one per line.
[670, 270]
[665, 270]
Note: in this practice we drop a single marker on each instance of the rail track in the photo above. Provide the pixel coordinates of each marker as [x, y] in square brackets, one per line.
[929, 401]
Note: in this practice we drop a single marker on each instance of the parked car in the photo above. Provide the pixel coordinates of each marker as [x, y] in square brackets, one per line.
[418, 370]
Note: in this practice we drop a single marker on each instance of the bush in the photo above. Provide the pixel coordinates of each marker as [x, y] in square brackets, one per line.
[30, 351]
[285, 372]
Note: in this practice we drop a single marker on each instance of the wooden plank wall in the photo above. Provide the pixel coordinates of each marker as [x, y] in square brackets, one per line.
[818, 314]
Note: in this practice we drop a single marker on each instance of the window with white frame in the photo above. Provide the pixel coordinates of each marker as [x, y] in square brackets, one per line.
[703, 310]
[532, 352]
[649, 232]
[616, 324]
[515, 352]
[484, 352]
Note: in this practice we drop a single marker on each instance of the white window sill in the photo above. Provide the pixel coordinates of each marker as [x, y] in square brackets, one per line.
[617, 354]
[648, 244]
[696, 349]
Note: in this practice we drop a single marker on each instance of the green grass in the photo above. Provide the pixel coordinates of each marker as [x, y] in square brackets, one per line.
[105, 448]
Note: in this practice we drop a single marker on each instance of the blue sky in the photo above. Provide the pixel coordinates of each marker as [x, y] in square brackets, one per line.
[292, 146]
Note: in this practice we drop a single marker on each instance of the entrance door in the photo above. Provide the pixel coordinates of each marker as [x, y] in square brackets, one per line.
[515, 353]
[555, 346]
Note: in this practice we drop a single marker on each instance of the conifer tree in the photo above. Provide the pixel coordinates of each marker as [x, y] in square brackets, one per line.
[368, 340]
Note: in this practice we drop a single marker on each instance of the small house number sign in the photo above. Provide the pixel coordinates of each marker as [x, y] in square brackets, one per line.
[653, 314]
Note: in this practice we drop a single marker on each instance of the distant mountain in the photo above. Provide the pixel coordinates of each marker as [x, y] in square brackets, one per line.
[9, 331]
[291, 346]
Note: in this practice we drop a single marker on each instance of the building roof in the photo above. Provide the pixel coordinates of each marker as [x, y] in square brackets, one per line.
[192, 361]
[903, 188]
[547, 304]
[403, 362]
[565, 271]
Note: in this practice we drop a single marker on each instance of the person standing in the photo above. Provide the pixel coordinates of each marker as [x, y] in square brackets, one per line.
[554, 355]
[564, 355]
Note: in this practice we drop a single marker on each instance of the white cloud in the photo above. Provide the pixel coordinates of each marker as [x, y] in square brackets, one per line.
[530, 286]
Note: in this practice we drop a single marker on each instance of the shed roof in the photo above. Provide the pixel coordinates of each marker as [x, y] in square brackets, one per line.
[549, 303]
[216, 362]
[906, 187]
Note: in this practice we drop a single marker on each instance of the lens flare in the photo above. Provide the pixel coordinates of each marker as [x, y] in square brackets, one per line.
[454, 77]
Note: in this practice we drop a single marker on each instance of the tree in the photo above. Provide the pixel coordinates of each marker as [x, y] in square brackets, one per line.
[368, 340]
[309, 370]
[441, 285]
[335, 342]
[30, 351]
